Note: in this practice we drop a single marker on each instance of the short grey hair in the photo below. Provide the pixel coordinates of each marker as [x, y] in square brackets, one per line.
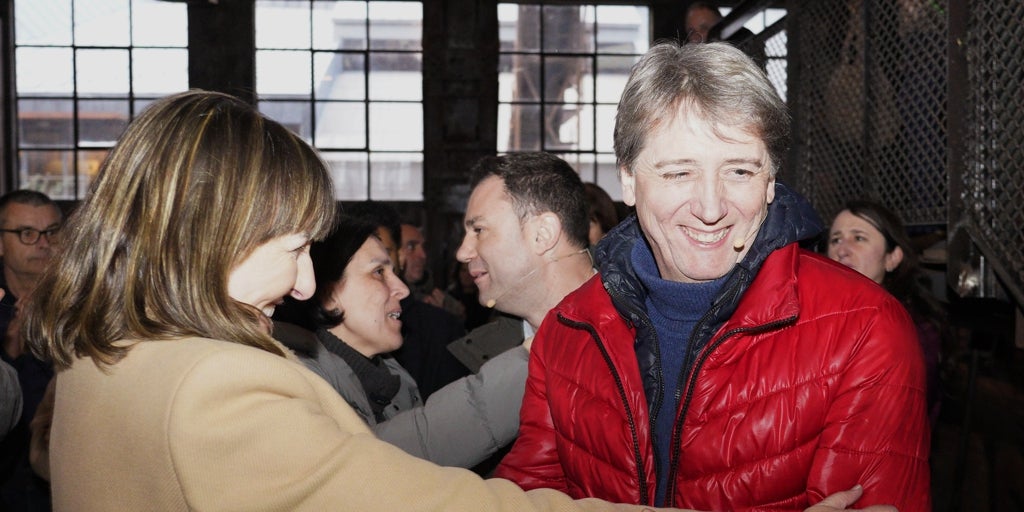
[716, 80]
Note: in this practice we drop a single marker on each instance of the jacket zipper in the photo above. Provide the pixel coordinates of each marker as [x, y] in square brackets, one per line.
[677, 430]
[637, 456]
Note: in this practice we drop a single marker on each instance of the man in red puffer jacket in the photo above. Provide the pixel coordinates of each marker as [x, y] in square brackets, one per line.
[713, 364]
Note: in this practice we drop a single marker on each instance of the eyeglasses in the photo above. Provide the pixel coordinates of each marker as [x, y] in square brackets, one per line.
[29, 236]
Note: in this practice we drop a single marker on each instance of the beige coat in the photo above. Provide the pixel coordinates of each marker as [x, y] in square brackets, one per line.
[199, 424]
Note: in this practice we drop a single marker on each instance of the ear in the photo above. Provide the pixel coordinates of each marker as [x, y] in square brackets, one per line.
[545, 232]
[893, 259]
[771, 189]
[628, 180]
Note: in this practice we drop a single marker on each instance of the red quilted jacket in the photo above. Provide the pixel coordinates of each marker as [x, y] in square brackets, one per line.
[814, 384]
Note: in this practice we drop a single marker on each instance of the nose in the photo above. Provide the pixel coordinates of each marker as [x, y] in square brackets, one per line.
[398, 288]
[467, 250]
[838, 250]
[44, 239]
[708, 203]
[305, 280]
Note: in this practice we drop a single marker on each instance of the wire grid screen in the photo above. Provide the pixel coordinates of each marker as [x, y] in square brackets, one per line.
[869, 106]
[993, 193]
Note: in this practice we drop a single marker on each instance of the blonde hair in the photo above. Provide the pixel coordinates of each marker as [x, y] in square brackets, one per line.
[195, 184]
[718, 82]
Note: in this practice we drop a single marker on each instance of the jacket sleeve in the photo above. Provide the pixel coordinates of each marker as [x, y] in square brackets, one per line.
[10, 398]
[876, 428]
[252, 431]
[533, 461]
[466, 421]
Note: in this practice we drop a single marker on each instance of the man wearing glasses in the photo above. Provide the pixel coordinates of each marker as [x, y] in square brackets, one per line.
[29, 226]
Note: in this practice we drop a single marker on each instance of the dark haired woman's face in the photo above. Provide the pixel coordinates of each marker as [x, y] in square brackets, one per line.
[279, 267]
[858, 244]
[368, 294]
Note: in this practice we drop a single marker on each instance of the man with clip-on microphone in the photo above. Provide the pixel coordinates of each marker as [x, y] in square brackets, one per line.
[525, 247]
[714, 364]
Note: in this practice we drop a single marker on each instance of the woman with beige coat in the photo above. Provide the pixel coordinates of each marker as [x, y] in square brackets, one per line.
[171, 394]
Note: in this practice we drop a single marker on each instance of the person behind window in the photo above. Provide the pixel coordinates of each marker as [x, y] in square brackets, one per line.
[869, 238]
[171, 394]
[700, 18]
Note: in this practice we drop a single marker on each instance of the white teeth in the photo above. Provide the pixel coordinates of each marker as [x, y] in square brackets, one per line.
[706, 238]
[394, 316]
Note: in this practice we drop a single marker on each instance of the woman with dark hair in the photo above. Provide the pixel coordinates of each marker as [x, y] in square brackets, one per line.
[869, 238]
[356, 317]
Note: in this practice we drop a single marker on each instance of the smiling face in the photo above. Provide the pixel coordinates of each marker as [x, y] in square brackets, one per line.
[368, 294]
[856, 243]
[278, 267]
[495, 248]
[700, 197]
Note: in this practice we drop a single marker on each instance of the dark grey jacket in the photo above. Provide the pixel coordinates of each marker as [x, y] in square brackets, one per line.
[460, 425]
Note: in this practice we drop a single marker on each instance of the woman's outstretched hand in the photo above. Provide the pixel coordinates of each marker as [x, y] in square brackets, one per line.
[843, 499]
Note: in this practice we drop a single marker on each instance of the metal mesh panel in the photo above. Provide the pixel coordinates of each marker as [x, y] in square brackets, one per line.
[869, 106]
[993, 177]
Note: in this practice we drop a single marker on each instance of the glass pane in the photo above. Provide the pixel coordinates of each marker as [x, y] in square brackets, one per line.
[294, 115]
[102, 23]
[522, 82]
[605, 128]
[608, 176]
[568, 28]
[582, 163]
[141, 105]
[349, 172]
[43, 22]
[159, 72]
[396, 76]
[340, 125]
[396, 176]
[159, 23]
[339, 25]
[283, 73]
[612, 73]
[518, 27]
[101, 122]
[88, 165]
[44, 71]
[102, 72]
[282, 24]
[49, 172]
[45, 122]
[568, 79]
[623, 29]
[396, 126]
[518, 127]
[396, 25]
[340, 76]
[569, 127]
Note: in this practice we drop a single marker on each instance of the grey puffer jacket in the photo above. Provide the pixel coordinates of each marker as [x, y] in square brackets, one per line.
[460, 425]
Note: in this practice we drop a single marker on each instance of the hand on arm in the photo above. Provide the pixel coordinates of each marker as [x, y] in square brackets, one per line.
[843, 499]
